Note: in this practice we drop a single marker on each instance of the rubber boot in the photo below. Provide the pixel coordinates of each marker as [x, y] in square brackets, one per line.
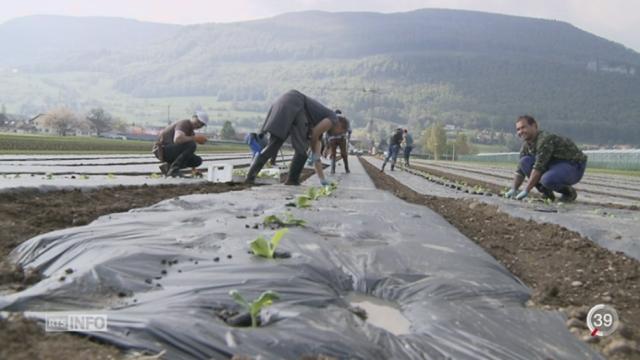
[346, 165]
[297, 164]
[546, 193]
[256, 166]
[164, 168]
[270, 151]
[569, 194]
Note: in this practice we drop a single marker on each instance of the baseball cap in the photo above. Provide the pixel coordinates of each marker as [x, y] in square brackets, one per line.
[202, 117]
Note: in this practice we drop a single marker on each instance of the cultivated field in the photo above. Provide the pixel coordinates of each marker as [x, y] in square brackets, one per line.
[422, 261]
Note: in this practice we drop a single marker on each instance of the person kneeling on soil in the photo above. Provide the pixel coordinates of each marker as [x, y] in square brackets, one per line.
[176, 145]
[305, 120]
[394, 148]
[551, 162]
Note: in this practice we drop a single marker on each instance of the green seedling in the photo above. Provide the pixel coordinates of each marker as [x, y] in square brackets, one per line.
[328, 189]
[84, 177]
[154, 176]
[265, 299]
[261, 247]
[289, 221]
[240, 172]
[303, 202]
[313, 193]
[49, 176]
[292, 221]
[111, 176]
[272, 220]
[266, 175]
[16, 176]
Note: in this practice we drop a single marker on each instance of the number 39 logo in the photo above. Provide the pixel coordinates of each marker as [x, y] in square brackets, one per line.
[602, 320]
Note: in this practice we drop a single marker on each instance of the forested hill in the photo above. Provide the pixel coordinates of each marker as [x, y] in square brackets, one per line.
[470, 68]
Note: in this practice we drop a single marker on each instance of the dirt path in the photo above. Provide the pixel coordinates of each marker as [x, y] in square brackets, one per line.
[26, 214]
[565, 270]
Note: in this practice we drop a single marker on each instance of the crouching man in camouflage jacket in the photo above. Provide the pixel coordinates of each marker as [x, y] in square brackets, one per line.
[551, 162]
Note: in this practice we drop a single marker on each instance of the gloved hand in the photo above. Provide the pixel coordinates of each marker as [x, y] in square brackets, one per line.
[199, 138]
[313, 159]
[324, 182]
[509, 194]
[523, 194]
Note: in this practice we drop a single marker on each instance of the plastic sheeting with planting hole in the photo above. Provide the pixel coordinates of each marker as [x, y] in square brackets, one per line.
[459, 301]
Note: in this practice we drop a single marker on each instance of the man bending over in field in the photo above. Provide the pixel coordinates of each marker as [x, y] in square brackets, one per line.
[176, 144]
[551, 162]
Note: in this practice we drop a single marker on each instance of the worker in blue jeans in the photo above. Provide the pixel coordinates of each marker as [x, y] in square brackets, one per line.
[394, 149]
[560, 175]
[551, 162]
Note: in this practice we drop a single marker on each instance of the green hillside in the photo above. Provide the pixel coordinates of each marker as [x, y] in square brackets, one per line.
[473, 69]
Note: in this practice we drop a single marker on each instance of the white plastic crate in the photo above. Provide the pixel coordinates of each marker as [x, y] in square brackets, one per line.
[220, 172]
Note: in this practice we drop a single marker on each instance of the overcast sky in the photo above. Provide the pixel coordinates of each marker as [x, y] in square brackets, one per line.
[617, 20]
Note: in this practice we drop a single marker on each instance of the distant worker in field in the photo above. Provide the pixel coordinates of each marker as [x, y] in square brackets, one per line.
[408, 146]
[176, 145]
[305, 120]
[342, 141]
[551, 162]
[394, 148]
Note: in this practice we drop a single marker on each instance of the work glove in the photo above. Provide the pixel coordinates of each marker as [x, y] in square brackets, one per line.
[523, 194]
[509, 194]
[324, 182]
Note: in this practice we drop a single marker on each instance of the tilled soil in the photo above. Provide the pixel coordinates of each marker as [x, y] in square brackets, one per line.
[29, 213]
[26, 214]
[565, 271]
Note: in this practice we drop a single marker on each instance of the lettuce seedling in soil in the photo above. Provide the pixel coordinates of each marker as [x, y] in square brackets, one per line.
[265, 299]
[261, 247]
[313, 193]
[303, 202]
[275, 221]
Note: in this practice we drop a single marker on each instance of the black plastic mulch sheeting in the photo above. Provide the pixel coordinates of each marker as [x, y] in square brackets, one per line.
[461, 303]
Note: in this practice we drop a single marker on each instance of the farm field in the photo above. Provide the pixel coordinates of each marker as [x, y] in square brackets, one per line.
[56, 145]
[595, 187]
[349, 251]
[92, 171]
